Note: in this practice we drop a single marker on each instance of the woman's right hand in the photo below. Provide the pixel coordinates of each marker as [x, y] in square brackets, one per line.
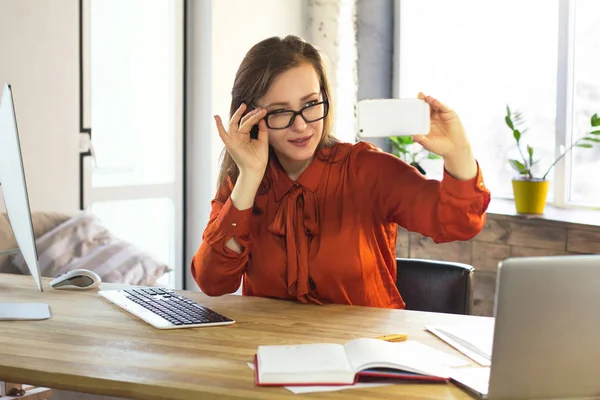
[250, 155]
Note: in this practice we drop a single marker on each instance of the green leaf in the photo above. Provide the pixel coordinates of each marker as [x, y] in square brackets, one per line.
[394, 140]
[530, 152]
[595, 133]
[433, 156]
[509, 122]
[595, 120]
[517, 118]
[584, 145]
[518, 166]
[403, 140]
[401, 150]
[592, 139]
[396, 143]
[517, 135]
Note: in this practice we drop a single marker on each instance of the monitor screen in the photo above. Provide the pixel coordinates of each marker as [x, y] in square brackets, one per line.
[13, 185]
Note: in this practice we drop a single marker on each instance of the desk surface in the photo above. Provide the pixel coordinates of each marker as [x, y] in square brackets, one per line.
[92, 346]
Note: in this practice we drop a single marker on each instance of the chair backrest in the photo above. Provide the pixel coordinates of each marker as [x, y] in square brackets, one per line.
[437, 286]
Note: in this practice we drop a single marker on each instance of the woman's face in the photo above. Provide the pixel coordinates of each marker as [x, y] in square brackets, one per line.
[293, 90]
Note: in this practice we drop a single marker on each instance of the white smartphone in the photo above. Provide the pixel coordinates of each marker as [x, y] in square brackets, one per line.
[392, 117]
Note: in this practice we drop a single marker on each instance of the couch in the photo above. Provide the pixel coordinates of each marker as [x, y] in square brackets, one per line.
[80, 240]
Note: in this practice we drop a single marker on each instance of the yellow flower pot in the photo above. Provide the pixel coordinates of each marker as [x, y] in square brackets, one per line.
[530, 195]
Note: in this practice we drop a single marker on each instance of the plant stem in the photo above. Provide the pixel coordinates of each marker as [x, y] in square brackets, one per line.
[559, 158]
[524, 160]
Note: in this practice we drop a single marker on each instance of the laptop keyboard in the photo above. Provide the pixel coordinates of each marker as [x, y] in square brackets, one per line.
[173, 307]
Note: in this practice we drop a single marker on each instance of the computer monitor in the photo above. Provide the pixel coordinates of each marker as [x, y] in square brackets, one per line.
[14, 187]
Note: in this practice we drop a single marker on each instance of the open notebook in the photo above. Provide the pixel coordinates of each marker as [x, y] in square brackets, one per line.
[336, 364]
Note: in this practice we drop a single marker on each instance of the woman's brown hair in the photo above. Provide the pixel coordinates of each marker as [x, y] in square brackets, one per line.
[263, 62]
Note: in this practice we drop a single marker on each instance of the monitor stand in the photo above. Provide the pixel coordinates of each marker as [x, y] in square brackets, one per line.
[24, 311]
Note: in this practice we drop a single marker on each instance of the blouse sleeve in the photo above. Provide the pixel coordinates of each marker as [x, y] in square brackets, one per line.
[446, 210]
[216, 268]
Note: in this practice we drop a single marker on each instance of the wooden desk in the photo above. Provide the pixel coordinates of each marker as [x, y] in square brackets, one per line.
[92, 346]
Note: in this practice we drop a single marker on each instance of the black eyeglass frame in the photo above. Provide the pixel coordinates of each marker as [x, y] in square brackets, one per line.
[325, 103]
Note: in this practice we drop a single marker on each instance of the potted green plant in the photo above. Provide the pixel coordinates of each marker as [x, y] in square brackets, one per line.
[530, 191]
[404, 148]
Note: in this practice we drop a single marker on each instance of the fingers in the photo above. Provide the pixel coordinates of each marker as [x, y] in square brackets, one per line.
[434, 104]
[248, 115]
[263, 133]
[252, 119]
[235, 118]
[424, 141]
[222, 132]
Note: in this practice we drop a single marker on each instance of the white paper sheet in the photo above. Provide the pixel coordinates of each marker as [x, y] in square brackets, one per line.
[473, 341]
[433, 355]
[476, 379]
[315, 389]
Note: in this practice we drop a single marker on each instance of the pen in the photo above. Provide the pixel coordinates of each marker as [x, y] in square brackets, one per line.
[396, 337]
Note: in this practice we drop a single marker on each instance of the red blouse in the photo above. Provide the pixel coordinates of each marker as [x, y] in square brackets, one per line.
[330, 236]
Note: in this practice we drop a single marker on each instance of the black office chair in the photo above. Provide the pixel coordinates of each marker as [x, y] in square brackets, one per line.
[438, 286]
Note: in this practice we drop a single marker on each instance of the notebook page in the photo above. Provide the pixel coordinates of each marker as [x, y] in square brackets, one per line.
[307, 363]
[407, 356]
[432, 354]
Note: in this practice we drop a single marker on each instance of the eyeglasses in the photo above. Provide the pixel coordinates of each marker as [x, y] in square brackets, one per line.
[282, 119]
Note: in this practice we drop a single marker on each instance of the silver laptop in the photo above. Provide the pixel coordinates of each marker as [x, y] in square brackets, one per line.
[546, 342]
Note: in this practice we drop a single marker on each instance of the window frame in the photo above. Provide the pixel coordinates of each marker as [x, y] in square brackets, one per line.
[564, 99]
[175, 190]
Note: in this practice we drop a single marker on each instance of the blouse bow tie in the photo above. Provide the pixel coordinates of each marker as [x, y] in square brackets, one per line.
[297, 220]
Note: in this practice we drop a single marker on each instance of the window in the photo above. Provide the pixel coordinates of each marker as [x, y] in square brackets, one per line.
[132, 92]
[135, 185]
[586, 100]
[492, 54]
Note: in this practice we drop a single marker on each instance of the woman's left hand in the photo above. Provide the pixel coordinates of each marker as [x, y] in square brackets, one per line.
[446, 135]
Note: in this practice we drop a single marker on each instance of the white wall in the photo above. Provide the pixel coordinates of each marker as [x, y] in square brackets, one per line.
[39, 57]
[331, 27]
[236, 26]
[221, 32]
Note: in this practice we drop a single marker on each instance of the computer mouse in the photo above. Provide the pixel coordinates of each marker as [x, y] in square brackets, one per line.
[77, 279]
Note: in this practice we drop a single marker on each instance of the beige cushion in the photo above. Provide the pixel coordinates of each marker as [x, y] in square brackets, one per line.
[42, 223]
[84, 242]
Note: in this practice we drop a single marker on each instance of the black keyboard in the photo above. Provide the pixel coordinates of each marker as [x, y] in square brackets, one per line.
[173, 307]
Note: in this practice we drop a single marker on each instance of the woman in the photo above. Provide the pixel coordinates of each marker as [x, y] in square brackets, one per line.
[299, 215]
